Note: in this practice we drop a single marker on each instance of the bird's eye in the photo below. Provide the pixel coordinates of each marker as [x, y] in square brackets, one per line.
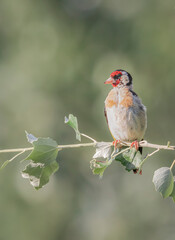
[117, 76]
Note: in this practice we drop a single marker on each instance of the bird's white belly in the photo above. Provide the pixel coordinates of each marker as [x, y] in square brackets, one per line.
[124, 124]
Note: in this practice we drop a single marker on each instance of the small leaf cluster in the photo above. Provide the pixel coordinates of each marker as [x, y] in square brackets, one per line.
[130, 158]
[42, 161]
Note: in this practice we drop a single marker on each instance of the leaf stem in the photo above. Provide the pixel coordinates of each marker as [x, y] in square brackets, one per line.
[172, 164]
[147, 156]
[122, 151]
[10, 160]
[84, 135]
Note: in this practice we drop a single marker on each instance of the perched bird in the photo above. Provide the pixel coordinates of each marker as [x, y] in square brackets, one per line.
[124, 111]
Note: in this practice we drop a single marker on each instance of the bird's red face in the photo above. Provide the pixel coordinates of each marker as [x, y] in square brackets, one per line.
[121, 78]
[114, 78]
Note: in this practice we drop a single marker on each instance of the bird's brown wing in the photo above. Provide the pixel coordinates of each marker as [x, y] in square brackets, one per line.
[105, 113]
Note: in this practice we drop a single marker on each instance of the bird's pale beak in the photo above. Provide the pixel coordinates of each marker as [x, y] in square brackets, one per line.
[112, 81]
[109, 81]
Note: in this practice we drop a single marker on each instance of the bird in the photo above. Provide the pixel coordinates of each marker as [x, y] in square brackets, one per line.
[125, 114]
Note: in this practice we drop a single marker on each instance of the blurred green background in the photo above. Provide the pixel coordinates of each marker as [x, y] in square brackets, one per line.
[54, 59]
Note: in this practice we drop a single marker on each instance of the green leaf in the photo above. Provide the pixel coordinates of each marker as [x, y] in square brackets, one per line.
[173, 192]
[102, 150]
[98, 167]
[163, 181]
[43, 162]
[38, 174]
[5, 164]
[72, 122]
[131, 159]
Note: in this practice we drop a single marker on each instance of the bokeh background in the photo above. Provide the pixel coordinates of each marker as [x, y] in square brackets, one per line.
[54, 58]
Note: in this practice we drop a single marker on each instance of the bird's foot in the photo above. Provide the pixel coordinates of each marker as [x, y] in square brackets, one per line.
[135, 144]
[116, 142]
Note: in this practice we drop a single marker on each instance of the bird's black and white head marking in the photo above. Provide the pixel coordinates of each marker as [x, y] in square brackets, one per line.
[125, 77]
[120, 78]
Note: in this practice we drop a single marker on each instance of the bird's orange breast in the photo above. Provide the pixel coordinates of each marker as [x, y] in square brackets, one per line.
[127, 100]
[111, 99]
[110, 103]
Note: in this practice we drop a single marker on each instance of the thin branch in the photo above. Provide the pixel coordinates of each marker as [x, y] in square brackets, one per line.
[16, 150]
[93, 144]
[150, 145]
[77, 145]
[141, 144]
